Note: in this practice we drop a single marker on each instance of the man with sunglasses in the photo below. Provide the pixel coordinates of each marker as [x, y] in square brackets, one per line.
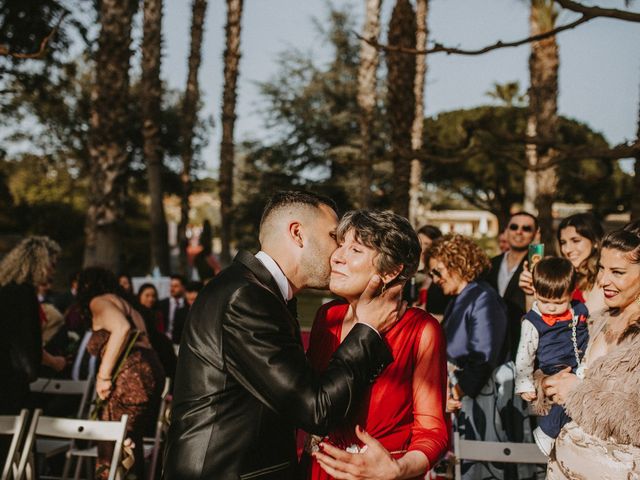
[505, 271]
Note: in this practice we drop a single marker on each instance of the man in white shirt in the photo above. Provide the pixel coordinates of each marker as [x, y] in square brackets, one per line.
[505, 272]
[173, 308]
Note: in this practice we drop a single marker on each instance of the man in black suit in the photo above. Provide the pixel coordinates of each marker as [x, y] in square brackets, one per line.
[505, 272]
[243, 383]
[173, 308]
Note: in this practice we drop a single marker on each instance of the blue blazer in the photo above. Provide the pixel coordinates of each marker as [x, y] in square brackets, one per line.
[475, 326]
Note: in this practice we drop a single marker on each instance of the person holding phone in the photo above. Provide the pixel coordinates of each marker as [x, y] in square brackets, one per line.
[505, 272]
[579, 237]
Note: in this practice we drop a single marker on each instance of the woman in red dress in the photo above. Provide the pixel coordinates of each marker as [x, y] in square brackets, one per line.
[403, 414]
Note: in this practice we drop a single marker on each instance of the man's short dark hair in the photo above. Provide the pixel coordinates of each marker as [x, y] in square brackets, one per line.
[194, 286]
[526, 214]
[554, 277]
[295, 197]
[180, 278]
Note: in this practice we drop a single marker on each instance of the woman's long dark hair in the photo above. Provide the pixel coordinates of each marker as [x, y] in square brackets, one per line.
[588, 226]
[96, 281]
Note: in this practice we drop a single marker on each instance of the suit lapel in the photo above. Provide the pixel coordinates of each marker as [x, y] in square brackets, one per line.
[264, 276]
[515, 278]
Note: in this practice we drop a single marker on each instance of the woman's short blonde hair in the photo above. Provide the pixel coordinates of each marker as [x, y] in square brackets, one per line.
[29, 262]
[459, 254]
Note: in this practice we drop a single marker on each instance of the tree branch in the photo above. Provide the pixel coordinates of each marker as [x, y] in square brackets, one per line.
[5, 52]
[438, 47]
[596, 11]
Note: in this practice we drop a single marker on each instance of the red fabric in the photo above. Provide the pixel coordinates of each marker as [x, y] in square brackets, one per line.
[42, 315]
[577, 295]
[422, 296]
[404, 409]
[552, 319]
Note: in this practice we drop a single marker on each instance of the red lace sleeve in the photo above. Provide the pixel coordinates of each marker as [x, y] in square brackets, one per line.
[430, 433]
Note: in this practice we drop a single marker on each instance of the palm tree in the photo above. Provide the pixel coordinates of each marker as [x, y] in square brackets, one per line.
[367, 97]
[417, 130]
[151, 99]
[231, 63]
[401, 100]
[543, 104]
[189, 115]
[108, 134]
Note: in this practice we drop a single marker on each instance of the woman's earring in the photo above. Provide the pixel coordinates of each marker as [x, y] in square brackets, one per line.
[384, 288]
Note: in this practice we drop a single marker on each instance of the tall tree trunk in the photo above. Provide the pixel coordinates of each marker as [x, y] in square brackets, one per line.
[367, 98]
[543, 100]
[401, 100]
[231, 63]
[417, 130]
[108, 135]
[189, 116]
[151, 100]
[635, 192]
[530, 175]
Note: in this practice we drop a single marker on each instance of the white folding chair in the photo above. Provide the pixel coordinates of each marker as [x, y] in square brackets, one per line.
[73, 429]
[476, 450]
[153, 445]
[16, 426]
[47, 448]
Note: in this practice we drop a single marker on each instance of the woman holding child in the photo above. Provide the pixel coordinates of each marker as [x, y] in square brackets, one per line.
[603, 440]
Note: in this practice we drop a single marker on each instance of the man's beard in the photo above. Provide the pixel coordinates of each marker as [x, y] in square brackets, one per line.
[317, 268]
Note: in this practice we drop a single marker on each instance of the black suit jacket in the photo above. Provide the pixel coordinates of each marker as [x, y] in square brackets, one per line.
[243, 383]
[515, 299]
[179, 317]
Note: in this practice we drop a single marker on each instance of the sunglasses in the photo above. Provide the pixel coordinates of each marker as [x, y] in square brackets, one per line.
[434, 272]
[525, 228]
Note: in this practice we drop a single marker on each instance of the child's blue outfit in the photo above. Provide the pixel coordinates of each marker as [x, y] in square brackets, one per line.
[548, 343]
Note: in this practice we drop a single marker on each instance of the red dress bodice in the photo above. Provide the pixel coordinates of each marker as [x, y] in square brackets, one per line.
[404, 408]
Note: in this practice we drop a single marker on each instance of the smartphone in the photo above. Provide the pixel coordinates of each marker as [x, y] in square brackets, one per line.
[536, 253]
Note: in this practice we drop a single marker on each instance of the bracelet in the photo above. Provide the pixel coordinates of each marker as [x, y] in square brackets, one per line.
[107, 379]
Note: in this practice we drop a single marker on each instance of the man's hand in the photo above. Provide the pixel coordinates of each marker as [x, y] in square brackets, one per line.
[380, 310]
[373, 461]
[453, 399]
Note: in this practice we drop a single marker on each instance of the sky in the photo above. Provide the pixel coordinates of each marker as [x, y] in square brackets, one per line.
[599, 73]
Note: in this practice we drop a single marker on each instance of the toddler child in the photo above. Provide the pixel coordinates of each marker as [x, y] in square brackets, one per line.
[554, 336]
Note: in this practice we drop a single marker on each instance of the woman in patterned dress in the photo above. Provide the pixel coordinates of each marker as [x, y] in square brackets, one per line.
[136, 389]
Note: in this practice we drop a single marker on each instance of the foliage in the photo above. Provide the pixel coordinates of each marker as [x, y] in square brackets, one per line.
[487, 159]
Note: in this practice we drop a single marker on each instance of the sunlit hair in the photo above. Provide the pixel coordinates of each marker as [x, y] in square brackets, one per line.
[459, 254]
[554, 277]
[389, 234]
[587, 226]
[30, 261]
[627, 241]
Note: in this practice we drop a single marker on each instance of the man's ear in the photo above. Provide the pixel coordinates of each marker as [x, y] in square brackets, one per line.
[392, 275]
[295, 232]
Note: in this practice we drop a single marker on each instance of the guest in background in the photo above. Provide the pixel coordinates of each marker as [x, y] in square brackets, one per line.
[503, 243]
[136, 389]
[29, 264]
[125, 282]
[505, 272]
[148, 298]
[205, 261]
[191, 292]
[65, 299]
[430, 295]
[579, 237]
[173, 308]
[475, 326]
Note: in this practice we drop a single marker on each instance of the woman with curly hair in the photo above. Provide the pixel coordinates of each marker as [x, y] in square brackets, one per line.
[29, 264]
[475, 325]
[130, 377]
